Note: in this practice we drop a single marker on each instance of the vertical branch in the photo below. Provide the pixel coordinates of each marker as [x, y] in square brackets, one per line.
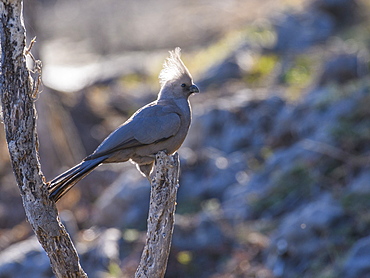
[163, 193]
[19, 116]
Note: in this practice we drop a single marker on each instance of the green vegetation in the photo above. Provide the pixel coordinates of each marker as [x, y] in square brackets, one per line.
[261, 68]
[291, 186]
[300, 73]
[353, 130]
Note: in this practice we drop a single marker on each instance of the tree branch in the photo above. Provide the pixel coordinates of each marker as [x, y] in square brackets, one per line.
[19, 116]
[161, 220]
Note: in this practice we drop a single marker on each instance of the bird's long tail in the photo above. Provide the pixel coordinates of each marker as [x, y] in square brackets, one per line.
[64, 182]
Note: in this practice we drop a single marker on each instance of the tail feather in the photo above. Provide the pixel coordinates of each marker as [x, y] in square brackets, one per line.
[60, 185]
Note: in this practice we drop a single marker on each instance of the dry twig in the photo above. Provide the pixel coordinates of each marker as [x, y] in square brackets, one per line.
[19, 116]
[164, 187]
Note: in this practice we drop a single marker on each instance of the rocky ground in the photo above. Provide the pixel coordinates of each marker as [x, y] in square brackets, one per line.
[275, 170]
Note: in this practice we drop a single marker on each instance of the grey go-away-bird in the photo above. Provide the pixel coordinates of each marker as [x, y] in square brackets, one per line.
[159, 126]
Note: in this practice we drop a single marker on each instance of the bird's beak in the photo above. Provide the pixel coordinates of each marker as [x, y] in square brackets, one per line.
[193, 89]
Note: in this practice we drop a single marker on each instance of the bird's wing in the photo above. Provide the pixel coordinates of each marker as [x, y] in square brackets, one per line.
[156, 123]
[151, 124]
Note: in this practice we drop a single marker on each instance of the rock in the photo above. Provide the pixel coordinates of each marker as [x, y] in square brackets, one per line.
[360, 185]
[199, 234]
[233, 126]
[10, 202]
[297, 142]
[229, 136]
[276, 189]
[357, 262]
[355, 200]
[101, 251]
[125, 203]
[297, 32]
[198, 246]
[213, 172]
[343, 68]
[70, 223]
[98, 250]
[25, 259]
[222, 72]
[344, 11]
[295, 123]
[302, 237]
[231, 67]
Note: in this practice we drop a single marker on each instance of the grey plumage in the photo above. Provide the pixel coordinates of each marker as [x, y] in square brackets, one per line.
[160, 125]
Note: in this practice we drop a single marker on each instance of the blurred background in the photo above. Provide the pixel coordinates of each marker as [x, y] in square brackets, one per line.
[275, 170]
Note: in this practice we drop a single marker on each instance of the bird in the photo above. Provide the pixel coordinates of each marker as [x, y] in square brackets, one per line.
[161, 125]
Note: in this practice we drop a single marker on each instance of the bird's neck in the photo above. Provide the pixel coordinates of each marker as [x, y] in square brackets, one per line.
[181, 103]
[184, 106]
[163, 94]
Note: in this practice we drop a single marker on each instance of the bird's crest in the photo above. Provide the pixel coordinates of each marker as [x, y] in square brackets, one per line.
[173, 67]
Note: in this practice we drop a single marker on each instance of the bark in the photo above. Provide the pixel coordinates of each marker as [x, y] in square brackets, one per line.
[19, 117]
[161, 220]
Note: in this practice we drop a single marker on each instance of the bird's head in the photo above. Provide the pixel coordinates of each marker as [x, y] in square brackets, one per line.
[176, 80]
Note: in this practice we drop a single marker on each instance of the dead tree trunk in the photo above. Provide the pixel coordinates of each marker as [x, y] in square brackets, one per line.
[164, 185]
[19, 116]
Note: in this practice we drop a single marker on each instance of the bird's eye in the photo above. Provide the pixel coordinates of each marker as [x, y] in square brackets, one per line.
[183, 85]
